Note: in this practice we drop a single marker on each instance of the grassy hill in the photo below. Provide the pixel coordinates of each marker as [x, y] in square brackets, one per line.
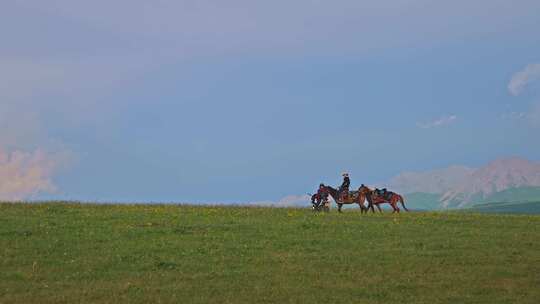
[428, 201]
[521, 208]
[73, 253]
[422, 201]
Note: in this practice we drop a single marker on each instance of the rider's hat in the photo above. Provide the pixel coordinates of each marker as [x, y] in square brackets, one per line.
[344, 174]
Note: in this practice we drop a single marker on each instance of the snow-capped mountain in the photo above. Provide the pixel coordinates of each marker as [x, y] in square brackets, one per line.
[460, 186]
[497, 176]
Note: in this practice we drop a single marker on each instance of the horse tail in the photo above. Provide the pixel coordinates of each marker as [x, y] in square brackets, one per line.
[402, 202]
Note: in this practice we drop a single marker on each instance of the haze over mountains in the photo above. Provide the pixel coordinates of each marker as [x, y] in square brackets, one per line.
[502, 180]
[436, 181]
[460, 186]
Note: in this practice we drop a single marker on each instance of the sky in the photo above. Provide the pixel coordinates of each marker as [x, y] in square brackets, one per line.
[248, 101]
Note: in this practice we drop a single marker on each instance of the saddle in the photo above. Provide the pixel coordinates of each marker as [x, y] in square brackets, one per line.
[384, 196]
[351, 196]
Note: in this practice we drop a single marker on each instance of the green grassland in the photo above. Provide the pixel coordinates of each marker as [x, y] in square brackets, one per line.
[84, 253]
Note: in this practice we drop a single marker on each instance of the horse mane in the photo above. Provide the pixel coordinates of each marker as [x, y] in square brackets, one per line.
[331, 188]
[365, 187]
[367, 192]
[332, 191]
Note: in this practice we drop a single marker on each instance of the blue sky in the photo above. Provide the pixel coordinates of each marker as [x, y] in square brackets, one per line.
[204, 101]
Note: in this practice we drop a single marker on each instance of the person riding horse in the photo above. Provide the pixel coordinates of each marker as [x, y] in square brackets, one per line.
[319, 200]
[320, 196]
[344, 188]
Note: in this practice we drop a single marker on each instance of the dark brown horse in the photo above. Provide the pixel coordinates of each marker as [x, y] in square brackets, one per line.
[354, 197]
[374, 199]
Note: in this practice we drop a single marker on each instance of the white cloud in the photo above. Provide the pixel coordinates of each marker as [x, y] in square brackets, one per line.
[521, 79]
[29, 156]
[518, 83]
[445, 120]
[23, 175]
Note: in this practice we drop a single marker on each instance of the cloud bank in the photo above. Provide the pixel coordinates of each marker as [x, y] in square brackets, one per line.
[520, 80]
[523, 78]
[29, 156]
[23, 175]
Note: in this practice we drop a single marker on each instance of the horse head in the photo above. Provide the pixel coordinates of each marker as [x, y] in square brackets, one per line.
[364, 189]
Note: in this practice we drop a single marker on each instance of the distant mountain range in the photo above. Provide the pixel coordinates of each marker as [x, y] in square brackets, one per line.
[432, 201]
[507, 180]
[503, 180]
[437, 181]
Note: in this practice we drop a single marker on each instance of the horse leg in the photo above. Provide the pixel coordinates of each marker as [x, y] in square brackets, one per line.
[360, 203]
[339, 207]
[378, 207]
[370, 206]
[361, 208]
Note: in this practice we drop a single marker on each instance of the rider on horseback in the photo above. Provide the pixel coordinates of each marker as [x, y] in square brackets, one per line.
[320, 197]
[344, 188]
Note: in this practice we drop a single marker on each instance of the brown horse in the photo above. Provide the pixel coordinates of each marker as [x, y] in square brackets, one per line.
[354, 197]
[374, 199]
